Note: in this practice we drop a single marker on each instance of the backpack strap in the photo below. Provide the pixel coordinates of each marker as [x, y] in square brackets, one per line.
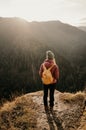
[44, 66]
[49, 67]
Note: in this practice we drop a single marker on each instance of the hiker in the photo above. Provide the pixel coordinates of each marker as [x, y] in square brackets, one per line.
[50, 79]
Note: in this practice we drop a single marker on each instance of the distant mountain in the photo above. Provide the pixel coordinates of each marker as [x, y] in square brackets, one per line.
[22, 49]
[83, 28]
[67, 40]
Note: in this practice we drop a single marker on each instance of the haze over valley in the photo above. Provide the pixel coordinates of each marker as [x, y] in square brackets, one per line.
[22, 50]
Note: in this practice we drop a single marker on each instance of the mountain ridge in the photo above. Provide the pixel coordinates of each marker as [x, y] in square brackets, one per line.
[83, 28]
[46, 32]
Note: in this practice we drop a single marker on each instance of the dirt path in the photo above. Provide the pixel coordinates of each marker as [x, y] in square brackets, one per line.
[46, 120]
[27, 113]
[64, 116]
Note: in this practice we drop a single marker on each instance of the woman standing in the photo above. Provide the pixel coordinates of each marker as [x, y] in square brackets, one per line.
[49, 73]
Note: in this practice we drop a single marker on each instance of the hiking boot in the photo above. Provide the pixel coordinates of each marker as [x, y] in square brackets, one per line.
[46, 108]
[51, 109]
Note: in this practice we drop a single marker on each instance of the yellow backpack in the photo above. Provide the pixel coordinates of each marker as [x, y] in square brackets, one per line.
[47, 77]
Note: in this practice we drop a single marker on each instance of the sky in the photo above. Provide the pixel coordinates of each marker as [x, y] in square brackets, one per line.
[68, 11]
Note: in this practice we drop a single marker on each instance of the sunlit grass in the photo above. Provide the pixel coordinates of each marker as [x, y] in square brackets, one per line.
[18, 115]
[70, 97]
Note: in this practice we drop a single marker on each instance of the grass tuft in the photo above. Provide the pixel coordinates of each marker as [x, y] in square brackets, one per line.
[73, 98]
[18, 115]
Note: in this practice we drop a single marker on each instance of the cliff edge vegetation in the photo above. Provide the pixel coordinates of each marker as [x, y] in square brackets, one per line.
[27, 113]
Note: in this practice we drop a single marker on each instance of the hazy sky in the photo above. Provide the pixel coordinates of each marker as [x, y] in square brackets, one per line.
[68, 11]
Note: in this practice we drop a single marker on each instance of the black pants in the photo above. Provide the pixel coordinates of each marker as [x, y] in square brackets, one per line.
[51, 89]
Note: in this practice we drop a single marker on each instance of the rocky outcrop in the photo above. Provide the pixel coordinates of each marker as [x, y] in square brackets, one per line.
[69, 112]
[27, 113]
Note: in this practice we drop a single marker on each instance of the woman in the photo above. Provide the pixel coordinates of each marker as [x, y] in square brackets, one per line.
[49, 62]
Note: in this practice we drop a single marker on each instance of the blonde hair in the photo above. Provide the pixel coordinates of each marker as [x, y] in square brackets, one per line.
[54, 61]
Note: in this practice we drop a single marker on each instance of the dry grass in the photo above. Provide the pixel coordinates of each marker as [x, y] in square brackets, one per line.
[69, 97]
[18, 115]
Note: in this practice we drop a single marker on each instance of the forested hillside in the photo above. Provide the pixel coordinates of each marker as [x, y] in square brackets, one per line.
[22, 50]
